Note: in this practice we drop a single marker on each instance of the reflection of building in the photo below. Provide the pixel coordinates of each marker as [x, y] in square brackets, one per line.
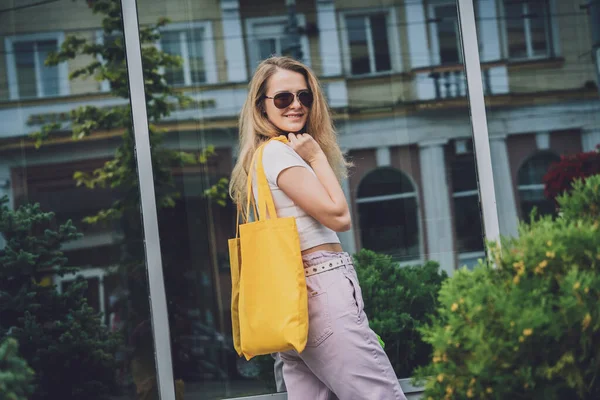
[392, 74]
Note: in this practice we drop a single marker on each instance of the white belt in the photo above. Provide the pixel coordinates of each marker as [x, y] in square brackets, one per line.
[327, 266]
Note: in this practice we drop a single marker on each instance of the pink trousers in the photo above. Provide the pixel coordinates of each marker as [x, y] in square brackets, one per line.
[343, 358]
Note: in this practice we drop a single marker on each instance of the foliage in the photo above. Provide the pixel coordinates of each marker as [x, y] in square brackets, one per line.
[583, 201]
[54, 329]
[529, 329]
[15, 375]
[561, 175]
[398, 301]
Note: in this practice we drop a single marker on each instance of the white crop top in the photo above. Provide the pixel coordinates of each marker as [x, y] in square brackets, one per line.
[278, 157]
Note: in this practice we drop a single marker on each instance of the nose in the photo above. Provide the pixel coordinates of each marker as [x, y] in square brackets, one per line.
[296, 103]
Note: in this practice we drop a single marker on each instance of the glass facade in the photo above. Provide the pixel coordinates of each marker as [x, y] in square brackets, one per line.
[119, 117]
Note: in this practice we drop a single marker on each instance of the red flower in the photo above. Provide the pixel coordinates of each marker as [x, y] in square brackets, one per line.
[561, 175]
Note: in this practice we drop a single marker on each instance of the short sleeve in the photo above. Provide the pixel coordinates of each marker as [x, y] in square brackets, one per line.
[278, 157]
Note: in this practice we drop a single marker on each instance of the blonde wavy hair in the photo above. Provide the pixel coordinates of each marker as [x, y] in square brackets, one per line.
[255, 128]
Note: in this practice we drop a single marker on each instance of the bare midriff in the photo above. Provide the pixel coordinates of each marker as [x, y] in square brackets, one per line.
[324, 247]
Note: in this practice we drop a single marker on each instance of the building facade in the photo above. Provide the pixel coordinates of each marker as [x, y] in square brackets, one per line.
[394, 75]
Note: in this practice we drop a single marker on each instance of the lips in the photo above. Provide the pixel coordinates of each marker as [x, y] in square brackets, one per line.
[294, 115]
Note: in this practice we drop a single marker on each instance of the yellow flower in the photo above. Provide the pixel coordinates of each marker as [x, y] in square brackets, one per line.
[576, 286]
[512, 323]
[549, 243]
[550, 254]
[454, 307]
[445, 357]
[543, 264]
[436, 359]
[521, 339]
[472, 382]
[586, 321]
[461, 301]
[586, 290]
[470, 393]
[449, 390]
[489, 390]
[516, 279]
[527, 332]
[440, 378]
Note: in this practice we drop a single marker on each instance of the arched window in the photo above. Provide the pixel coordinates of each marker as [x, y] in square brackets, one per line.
[530, 180]
[388, 214]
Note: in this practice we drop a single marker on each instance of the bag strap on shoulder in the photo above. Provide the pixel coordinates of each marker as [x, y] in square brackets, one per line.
[266, 205]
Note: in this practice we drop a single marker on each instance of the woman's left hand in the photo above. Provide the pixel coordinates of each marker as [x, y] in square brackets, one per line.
[306, 146]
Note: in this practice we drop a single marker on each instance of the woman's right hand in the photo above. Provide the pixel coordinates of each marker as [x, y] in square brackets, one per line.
[306, 147]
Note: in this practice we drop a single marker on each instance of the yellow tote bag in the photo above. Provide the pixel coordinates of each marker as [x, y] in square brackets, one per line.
[272, 306]
[235, 263]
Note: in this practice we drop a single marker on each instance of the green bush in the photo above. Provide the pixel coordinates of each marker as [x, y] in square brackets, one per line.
[583, 201]
[529, 329]
[398, 300]
[15, 375]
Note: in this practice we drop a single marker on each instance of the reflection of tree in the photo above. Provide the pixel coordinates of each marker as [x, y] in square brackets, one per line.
[130, 303]
[60, 335]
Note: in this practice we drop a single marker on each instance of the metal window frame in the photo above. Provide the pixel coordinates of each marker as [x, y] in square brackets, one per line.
[481, 139]
[158, 303]
[139, 115]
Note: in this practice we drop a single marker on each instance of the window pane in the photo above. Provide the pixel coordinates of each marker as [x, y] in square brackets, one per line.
[469, 235]
[49, 74]
[73, 206]
[533, 171]
[384, 181]
[463, 172]
[379, 33]
[515, 29]
[447, 28]
[171, 44]
[25, 68]
[390, 227]
[535, 198]
[359, 49]
[195, 43]
[267, 48]
[538, 27]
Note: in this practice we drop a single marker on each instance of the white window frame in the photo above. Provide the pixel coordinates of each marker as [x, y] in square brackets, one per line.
[434, 47]
[406, 195]
[251, 26]
[105, 84]
[393, 41]
[552, 35]
[208, 51]
[13, 84]
[88, 273]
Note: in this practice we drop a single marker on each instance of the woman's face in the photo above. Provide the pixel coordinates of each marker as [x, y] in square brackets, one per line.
[293, 117]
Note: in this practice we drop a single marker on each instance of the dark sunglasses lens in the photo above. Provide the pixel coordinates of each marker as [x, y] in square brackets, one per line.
[283, 100]
[306, 98]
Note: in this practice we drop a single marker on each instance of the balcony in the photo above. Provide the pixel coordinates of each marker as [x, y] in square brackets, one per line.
[450, 82]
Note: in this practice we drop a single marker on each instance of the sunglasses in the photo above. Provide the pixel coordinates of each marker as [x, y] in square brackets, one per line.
[284, 99]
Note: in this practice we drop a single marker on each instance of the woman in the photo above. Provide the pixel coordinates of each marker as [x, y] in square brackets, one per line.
[342, 356]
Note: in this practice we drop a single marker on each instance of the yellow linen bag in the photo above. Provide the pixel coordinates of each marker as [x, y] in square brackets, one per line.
[235, 264]
[272, 306]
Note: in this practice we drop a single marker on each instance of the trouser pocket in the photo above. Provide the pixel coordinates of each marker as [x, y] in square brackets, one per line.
[319, 319]
[357, 298]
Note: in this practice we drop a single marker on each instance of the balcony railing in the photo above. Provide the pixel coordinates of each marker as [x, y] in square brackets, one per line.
[449, 82]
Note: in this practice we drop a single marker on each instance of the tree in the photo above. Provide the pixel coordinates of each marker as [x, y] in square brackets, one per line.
[15, 374]
[54, 329]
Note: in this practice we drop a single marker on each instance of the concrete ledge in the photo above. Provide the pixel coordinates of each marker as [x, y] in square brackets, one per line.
[411, 392]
